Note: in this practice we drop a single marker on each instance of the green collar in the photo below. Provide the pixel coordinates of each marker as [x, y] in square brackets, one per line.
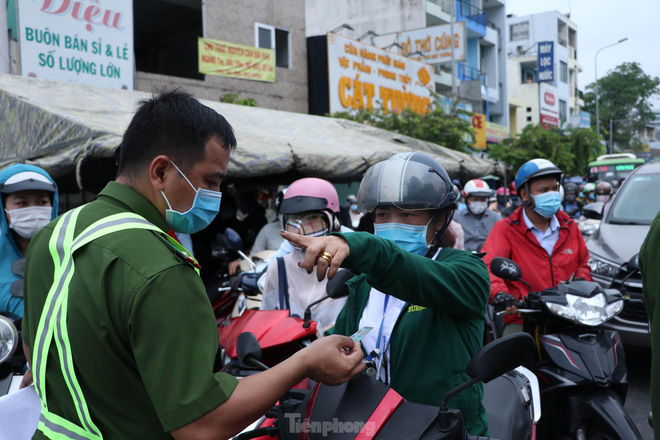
[123, 196]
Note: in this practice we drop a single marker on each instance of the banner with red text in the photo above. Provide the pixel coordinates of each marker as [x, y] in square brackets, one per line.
[361, 76]
[479, 128]
[236, 60]
[81, 41]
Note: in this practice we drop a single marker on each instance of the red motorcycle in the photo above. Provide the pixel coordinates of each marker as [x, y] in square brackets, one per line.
[278, 334]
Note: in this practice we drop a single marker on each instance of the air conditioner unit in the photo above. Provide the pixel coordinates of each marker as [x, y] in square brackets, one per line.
[520, 49]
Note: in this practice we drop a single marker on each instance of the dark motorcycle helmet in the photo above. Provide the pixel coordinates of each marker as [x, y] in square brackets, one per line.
[407, 181]
[570, 187]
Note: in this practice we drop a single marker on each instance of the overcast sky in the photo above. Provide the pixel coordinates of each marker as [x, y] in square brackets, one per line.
[603, 22]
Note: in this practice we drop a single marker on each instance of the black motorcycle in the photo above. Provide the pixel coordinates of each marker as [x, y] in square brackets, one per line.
[581, 368]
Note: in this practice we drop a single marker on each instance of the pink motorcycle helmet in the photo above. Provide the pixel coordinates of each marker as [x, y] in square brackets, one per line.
[312, 194]
[501, 191]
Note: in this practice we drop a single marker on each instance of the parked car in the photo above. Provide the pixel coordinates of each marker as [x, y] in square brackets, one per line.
[625, 223]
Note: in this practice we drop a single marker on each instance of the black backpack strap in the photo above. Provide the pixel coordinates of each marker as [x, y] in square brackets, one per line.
[284, 284]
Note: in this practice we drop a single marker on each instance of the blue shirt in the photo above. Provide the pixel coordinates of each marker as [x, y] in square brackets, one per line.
[546, 239]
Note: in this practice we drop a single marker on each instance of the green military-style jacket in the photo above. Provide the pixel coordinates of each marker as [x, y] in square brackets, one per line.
[143, 335]
[649, 261]
[438, 331]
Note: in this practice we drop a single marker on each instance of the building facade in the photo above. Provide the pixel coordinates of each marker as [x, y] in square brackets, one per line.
[480, 78]
[165, 43]
[534, 98]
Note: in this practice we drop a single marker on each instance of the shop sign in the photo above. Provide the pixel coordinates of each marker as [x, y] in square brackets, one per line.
[495, 132]
[86, 42]
[479, 129]
[548, 105]
[434, 43]
[362, 76]
[233, 60]
[546, 61]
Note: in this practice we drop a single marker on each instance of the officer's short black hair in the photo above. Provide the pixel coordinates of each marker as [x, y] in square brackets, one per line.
[175, 124]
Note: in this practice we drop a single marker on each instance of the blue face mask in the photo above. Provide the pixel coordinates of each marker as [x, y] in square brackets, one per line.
[202, 212]
[547, 204]
[354, 207]
[411, 238]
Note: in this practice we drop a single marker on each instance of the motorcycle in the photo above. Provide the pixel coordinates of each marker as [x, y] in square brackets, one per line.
[581, 368]
[364, 408]
[231, 295]
[278, 334]
[12, 360]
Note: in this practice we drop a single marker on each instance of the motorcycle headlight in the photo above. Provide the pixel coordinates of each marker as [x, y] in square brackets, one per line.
[8, 339]
[613, 309]
[603, 268]
[591, 311]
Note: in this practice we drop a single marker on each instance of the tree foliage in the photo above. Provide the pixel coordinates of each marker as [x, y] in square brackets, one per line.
[623, 95]
[436, 126]
[571, 151]
[232, 98]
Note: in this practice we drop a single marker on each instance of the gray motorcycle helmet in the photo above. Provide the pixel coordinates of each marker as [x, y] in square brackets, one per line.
[407, 181]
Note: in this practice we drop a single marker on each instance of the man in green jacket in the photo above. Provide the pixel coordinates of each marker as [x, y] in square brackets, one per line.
[118, 328]
[424, 300]
[649, 258]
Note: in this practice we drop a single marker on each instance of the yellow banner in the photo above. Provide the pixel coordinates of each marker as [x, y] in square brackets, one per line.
[496, 132]
[235, 60]
[479, 128]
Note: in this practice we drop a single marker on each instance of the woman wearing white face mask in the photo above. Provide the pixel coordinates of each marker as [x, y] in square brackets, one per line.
[424, 300]
[310, 207]
[29, 201]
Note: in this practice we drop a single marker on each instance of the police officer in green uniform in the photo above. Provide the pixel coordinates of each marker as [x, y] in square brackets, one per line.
[424, 300]
[118, 328]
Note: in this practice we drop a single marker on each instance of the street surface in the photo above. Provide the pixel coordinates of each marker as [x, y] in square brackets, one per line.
[638, 402]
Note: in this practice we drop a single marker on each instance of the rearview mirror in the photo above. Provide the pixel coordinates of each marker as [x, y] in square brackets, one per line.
[593, 210]
[633, 263]
[336, 287]
[234, 240]
[500, 356]
[505, 269]
[248, 349]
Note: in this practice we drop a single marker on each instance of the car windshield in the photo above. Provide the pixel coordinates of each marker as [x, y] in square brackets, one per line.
[638, 201]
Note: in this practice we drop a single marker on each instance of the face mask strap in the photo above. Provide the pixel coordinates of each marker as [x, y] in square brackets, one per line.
[166, 201]
[439, 233]
[184, 176]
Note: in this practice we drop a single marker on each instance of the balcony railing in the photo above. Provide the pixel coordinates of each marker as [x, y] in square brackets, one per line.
[468, 73]
[471, 12]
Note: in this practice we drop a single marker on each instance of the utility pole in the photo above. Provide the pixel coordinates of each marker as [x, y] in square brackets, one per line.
[596, 77]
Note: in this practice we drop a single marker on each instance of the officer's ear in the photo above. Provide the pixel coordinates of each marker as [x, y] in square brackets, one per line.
[159, 169]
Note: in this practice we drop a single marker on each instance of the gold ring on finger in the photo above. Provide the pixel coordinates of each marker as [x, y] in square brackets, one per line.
[327, 257]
